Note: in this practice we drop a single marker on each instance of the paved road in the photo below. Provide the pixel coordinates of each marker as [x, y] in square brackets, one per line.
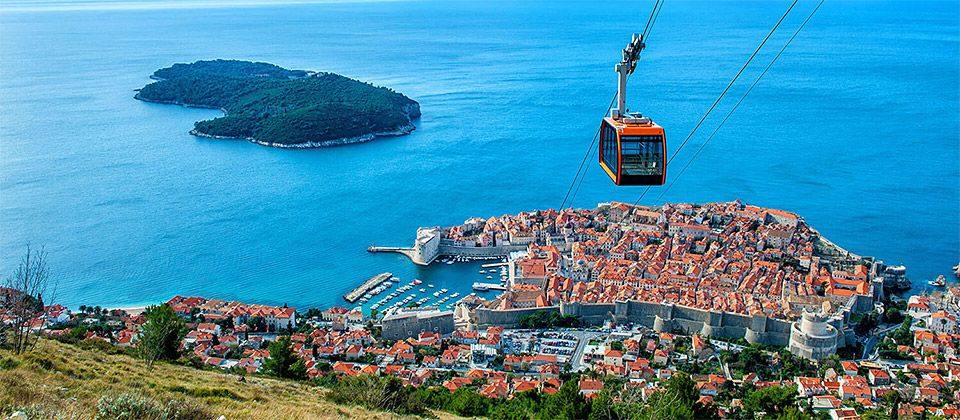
[726, 371]
[583, 337]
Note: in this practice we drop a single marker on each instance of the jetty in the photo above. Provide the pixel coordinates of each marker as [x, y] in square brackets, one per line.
[499, 264]
[374, 281]
[483, 287]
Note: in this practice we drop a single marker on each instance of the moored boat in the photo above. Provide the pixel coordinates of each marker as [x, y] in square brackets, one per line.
[939, 282]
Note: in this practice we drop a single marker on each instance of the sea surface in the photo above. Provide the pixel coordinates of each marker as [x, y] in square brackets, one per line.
[855, 128]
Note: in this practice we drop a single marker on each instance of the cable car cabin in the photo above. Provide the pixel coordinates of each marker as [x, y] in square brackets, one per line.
[633, 150]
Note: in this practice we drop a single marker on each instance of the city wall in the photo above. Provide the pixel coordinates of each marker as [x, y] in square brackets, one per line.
[448, 249]
[659, 317]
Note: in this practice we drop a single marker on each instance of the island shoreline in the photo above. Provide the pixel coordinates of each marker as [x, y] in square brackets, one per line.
[342, 141]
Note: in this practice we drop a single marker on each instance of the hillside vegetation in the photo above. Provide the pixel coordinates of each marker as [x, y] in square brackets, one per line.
[67, 381]
[279, 107]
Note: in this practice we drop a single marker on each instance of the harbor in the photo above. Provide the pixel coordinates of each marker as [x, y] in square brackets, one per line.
[377, 300]
[429, 295]
[373, 282]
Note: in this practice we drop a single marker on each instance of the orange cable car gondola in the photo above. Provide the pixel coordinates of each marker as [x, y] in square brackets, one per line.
[633, 149]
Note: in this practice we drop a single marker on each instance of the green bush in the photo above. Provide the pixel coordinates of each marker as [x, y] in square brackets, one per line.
[8, 363]
[136, 407]
[548, 319]
[204, 392]
[39, 361]
[386, 393]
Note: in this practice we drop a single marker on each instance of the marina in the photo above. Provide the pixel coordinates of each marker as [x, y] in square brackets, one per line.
[373, 282]
[406, 296]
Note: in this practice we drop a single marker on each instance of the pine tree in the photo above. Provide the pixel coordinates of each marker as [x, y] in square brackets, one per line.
[161, 334]
[283, 362]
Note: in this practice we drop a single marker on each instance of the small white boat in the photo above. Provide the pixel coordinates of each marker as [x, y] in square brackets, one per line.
[939, 282]
[489, 277]
[449, 262]
[443, 291]
[430, 286]
[483, 271]
[422, 290]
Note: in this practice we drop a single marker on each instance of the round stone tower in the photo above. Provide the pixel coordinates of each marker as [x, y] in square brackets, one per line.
[812, 337]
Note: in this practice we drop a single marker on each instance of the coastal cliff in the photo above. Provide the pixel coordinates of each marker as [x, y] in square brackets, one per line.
[276, 107]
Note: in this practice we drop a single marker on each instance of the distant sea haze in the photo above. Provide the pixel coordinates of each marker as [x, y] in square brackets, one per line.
[855, 128]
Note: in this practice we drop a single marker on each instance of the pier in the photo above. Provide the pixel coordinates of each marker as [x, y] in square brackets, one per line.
[488, 286]
[499, 264]
[374, 281]
[409, 252]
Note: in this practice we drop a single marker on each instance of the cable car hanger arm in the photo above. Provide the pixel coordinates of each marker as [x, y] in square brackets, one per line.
[631, 54]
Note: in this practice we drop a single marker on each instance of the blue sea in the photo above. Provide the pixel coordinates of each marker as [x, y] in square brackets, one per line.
[855, 128]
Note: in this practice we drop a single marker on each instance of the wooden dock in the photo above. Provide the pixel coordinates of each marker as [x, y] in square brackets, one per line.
[374, 281]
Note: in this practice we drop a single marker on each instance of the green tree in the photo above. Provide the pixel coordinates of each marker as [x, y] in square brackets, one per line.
[771, 400]
[522, 406]
[683, 387]
[468, 403]
[283, 362]
[386, 393]
[161, 334]
[665, 406]
[792, 413]
[602, 406]
[893, 399]
[567, 403]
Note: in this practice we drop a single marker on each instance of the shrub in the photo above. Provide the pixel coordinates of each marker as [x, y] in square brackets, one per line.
[387, 393]
[8, 363]
[204, 392]
[128, 406]
[39, 361]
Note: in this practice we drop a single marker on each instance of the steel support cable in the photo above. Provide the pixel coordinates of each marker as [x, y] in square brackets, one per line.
[722, 94]
[740, 101]
[589, 151]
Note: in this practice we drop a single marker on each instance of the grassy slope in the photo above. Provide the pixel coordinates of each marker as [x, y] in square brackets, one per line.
[69, 380]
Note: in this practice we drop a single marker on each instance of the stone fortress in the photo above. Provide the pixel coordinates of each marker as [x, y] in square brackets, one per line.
[815, 336]
[430, 244]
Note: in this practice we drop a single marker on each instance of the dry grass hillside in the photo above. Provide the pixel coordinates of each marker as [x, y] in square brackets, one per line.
[64, 381]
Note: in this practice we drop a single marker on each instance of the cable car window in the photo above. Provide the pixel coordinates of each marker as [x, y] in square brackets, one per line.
[609, 137]
[642, 155]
